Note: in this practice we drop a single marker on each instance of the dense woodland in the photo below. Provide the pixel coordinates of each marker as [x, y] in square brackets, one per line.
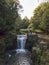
[11, 24]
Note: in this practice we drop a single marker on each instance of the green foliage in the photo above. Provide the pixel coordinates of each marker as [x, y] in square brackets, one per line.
[40, 19]
[8, 15]
[24, 31]
[36, 53]
[18, 23]
[30, 26]
[38, 31]
[25, 23]
[44, 59]
[40, 56]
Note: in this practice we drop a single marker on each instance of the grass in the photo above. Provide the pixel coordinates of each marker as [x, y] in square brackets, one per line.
[38, 31]
[24, 30]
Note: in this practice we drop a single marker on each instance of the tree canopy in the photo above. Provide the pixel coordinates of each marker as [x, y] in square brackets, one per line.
[25, 23]
[8, 15]
[41, 17]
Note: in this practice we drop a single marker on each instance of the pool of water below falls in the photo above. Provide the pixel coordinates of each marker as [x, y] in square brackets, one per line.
[23, 58]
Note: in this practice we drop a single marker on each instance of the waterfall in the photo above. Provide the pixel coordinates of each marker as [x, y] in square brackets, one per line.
[21, 40]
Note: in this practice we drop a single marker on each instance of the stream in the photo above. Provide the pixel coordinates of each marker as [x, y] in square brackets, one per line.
[20, 56]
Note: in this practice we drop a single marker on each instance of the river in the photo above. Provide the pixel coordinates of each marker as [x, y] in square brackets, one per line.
[20, 56]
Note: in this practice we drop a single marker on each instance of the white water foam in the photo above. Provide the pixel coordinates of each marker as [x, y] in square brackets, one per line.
[21, 40]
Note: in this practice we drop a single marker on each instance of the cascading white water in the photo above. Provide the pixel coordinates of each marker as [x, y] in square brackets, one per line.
[21, 40]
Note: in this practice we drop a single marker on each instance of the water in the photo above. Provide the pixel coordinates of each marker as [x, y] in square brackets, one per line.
[22, 56]
[21, 41]
[23, 59]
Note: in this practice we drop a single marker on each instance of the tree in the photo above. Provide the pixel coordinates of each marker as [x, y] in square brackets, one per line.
[25, 23]
[41, 17]
[8, 14]
[18, 24]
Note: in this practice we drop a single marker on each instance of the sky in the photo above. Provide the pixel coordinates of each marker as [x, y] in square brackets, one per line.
[29, 7]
